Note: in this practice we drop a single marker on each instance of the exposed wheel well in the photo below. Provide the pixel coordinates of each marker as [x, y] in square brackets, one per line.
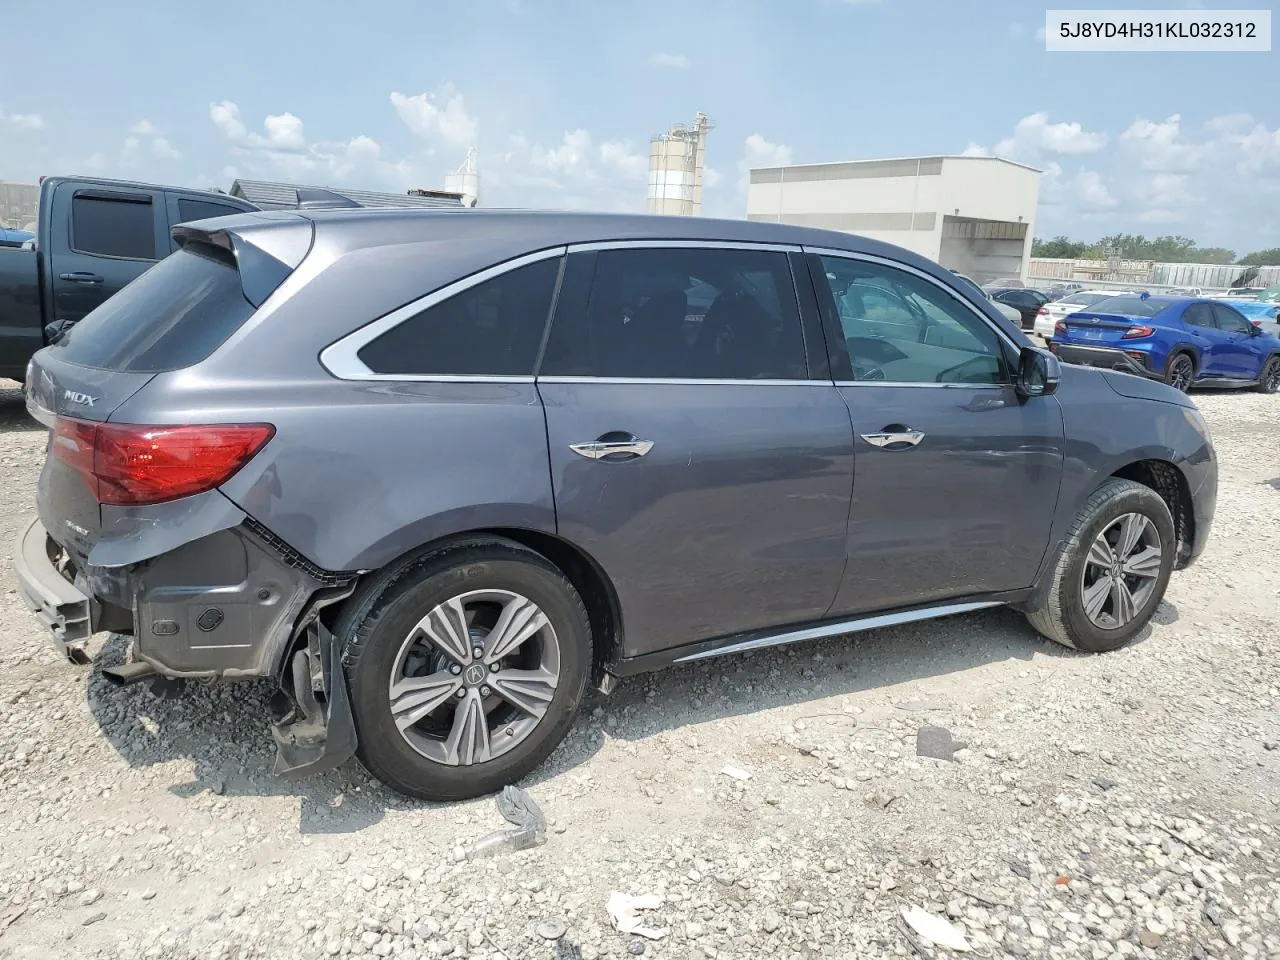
[603, 609]
[1167, 480]
[1180, 349]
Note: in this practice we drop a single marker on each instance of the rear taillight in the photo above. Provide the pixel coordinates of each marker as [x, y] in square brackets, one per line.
[1060, 327]
[1137, 333]
[126, 464]
[1256, 323]
[1042, 312]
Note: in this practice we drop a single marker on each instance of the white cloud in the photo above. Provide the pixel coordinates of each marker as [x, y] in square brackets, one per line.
[22, 121]
[974, 150]
[570, 155]
[226, 117]
[617, 155]
[143, 128]
[1092, 190]
[441, 114]
[670, 61]
[163, 150]
[1041, 35]
[1034, 135]
[283, 150]
[1159, 146]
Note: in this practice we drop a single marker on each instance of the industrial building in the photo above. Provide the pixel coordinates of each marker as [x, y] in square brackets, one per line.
[18, 204]
[972, 214]
[677, 161]
[270, 195]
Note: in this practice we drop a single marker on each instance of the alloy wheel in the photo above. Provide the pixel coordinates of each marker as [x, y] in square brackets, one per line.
[1121, 571]
[474, 677]
[1180, 374]
[1271, 377]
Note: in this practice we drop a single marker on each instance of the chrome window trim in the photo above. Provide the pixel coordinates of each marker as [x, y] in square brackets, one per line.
[915, 271]
[852, 625]
[950, 385]
[684, 381]
[341, 358]
[595, 245]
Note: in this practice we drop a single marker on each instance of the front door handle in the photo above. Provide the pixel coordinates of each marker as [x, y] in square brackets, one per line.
[894, 437]
[80, 277]
[612, 445]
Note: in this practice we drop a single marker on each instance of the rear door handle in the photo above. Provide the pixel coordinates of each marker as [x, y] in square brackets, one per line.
[894, 437]
[80, 277]
[599, 449]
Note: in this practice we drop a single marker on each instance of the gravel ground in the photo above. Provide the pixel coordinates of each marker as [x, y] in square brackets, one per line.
[1125, 805]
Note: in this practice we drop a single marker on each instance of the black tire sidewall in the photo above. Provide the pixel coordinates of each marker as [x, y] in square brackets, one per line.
[385, 752]
[1085, 635]
[1267, 367]
[1173, 362]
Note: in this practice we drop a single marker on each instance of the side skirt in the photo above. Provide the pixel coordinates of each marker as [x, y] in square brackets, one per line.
[797, 633]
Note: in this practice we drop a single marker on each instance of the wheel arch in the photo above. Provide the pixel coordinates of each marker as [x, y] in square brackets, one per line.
[604, 610]
[1183, 347]
[1164, 477]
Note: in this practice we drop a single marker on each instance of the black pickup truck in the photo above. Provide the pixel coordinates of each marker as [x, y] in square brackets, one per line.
[92, 237]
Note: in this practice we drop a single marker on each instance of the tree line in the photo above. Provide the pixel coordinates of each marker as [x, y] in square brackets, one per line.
[1161, 249]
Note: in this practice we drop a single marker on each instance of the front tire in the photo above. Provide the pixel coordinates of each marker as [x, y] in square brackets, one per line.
[466, 666]
[1180, 372]
[1113, 570]
[1269, 382]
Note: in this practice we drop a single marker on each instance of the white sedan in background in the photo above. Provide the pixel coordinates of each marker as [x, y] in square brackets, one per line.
[1055, 310]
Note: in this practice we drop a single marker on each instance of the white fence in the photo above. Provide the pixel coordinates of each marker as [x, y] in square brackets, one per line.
[1146, 273]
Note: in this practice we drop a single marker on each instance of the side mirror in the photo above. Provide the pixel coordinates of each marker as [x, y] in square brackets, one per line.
[1038, 373]
[1255, 330]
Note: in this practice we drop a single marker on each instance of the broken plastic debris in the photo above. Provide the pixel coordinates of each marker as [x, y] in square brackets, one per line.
[529, 827]
[737, 773]
[625, 910]
[934, 929]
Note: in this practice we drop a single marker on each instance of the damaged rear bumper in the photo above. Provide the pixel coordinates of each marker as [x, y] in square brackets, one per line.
[65, 611]
[232, 604]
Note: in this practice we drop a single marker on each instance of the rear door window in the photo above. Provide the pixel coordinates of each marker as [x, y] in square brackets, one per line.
[174, 315]
[494, 328]
[106, 226]
[189, 210]
[1198, 315]
[683, 313]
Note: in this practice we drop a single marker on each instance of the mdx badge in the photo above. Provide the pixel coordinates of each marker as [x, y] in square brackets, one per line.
[82, 398]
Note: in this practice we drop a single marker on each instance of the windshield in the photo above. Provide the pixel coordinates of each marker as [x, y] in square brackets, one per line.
[1128, 306]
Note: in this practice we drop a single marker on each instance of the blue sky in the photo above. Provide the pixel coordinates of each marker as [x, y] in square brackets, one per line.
[561, 96]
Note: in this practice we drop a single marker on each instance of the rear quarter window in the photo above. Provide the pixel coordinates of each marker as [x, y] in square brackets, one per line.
[173, 316]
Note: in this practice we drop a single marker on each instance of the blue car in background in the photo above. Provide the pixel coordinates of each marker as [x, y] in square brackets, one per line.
[1184, 341]
[1260, 314]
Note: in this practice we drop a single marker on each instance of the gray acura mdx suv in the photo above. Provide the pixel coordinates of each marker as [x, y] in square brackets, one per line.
[434, 473]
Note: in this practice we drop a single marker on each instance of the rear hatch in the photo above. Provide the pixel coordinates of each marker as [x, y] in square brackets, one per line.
[173, 316]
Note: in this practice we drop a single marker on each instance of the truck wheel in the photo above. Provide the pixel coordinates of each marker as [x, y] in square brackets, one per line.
[1181, 372]
[1112, 571]
[1269, 382]
[466, 667]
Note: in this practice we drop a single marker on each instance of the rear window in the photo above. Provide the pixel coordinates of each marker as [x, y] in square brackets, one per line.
[173, 316]
[1128, 306]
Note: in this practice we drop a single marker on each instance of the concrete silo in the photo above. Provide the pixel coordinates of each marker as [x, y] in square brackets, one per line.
[677, 160]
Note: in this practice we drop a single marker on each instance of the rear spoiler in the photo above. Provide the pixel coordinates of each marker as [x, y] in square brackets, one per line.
[263, 251]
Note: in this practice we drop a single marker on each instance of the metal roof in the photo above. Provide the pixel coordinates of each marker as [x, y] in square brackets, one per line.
[269, 195]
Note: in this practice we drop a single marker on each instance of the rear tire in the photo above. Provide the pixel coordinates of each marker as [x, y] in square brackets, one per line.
[1269, 382]
[425, 726]
[1095, 612]
[1180, 372]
